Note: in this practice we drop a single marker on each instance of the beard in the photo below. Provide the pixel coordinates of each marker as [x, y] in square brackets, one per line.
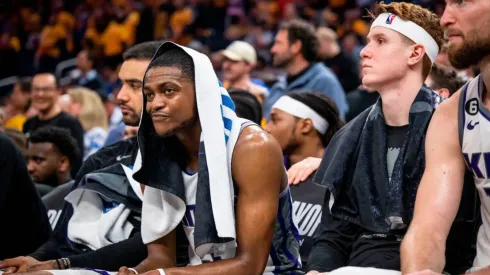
[475, 47]
[283, 60]
[185, 124]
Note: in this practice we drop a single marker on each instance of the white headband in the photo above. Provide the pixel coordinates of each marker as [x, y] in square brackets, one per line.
[411, 30]
[301, 110]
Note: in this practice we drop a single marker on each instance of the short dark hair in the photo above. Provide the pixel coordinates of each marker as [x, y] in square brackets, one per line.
[142, 51]
[325, 107]
[178, 58]
[61, 139]
[25, 84]
[305, 32]
[56, 80]
[444, 77]
[246, 105]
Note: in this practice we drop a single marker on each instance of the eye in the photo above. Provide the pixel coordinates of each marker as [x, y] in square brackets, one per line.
[149, 97]
[168, 91]
[380, 41]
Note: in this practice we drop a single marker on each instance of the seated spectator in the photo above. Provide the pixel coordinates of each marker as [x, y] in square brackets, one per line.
[444, 80]
[334, 58]
[373, 166]
[50, 154]
[304, 124]
[44, 95]
[295, 49]
[85, 74]
[87, 107]
[18, 104]
[247, 105]
[25, 224]
[239, 61]
[117, 161]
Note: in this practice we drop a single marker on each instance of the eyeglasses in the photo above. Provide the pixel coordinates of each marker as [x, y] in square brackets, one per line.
[43, 89]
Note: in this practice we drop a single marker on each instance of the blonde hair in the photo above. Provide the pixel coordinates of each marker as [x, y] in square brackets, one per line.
[93, 113]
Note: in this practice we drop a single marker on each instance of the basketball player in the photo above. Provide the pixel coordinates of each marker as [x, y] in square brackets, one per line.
[458, 138]
[180, 92]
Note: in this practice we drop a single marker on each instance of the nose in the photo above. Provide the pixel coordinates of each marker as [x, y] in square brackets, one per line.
[158, 103]
[268, 127]
[31, 167]
[122, 95]
[365, 52]
[447, 17]
[274, 49]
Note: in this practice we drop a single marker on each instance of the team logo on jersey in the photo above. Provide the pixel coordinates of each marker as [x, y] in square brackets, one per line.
[471, 106]
[390, 18]
[471, 126]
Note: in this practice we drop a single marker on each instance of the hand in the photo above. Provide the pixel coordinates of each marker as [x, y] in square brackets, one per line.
[300, 171]
[19, 264]
[424, 272]
[125, 271]
[313, 272]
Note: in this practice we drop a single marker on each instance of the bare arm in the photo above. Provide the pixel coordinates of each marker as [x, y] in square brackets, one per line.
[258, 172]
[439, 194]
[161, 254]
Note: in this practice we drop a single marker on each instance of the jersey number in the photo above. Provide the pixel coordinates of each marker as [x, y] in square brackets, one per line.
[472, 106]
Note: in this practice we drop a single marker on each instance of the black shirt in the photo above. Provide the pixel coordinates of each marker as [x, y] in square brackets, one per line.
[395, 139]
[307, 206]
[62, 120]
[25, 225]
[346, 70]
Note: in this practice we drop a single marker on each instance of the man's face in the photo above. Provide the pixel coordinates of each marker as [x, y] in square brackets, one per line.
[129, 97]
[44, 92]
[282, 126]
[43, 162]
[384, 58]
[467, 26]
[18, 99]
[234, 70]
[83, 63]
[325, 49]
[281, 50]
[170, 100]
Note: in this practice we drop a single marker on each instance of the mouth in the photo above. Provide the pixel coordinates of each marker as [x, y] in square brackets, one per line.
[126, 110]
[159, 117]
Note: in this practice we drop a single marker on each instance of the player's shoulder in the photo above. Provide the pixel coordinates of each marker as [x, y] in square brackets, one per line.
[255, 140]
[445, 119]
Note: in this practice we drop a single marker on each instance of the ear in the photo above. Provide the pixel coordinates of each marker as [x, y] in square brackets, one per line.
[416, 55]
[305, 126]
[295, 47]
[443, 92]
[64, 164]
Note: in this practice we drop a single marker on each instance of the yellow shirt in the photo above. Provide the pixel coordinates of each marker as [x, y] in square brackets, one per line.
[16, 122]
[114, 37]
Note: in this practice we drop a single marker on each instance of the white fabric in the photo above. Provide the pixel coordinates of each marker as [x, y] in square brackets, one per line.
[301, 110]
[129, 174]
[77, 272]
[349, 270]
[241, 51]
[409, 29]
[476, 142]
[161, 271]
[90, 226]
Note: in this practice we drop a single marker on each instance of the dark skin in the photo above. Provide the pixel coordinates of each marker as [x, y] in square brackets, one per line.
[171, 101]
[46, 165]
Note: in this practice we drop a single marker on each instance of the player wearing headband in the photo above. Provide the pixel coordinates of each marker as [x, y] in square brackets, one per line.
[373, 165]
[458, 139]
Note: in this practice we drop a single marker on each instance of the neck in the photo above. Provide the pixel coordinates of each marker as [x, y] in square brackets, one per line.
[485, 74]
[310, 148]
[397, 98]
[54, 111]
[241, 83]
[190, 139]
[297, 65]
[63, 178]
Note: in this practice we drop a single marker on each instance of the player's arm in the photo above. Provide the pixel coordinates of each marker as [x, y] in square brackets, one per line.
[258, 172]
[438, 196]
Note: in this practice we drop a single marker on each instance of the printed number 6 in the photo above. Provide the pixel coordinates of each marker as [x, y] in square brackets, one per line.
[473, 107]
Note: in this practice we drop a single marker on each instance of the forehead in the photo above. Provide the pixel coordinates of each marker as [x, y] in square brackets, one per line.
[282, 35]
[281, 113]
[133, 68]
[159, 74]
[43, 79]
[41, 148]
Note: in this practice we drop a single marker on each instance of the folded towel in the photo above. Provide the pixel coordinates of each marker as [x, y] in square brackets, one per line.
[162, 169]
[354, 168]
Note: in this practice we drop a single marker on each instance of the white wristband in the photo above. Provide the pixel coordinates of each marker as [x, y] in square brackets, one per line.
[160, 270]
[134, 270]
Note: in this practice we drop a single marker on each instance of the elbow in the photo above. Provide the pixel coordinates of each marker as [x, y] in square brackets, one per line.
[250, 265]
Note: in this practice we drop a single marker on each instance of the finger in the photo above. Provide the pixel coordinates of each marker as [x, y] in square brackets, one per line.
[292, 173]
[10, 262]
[10, 270]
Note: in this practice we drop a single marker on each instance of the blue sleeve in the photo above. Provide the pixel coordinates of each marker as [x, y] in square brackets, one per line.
[330, 86]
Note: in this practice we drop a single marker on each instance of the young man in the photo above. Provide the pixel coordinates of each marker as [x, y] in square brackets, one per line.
[50, 154]
[304, 124]
[239, 61]
[295, 49]
[44, 96]
[373, 165]
[457, 139]
[203, 168]
[122, 155]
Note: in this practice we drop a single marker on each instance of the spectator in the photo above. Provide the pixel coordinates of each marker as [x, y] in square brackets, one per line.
[85, 74]
[50, 154]
[18, 104]
[45, 93]
[20, 205]
[303, 124]
[295, 49]
[239, 61]
[247, 105]
[87, 106]
[341, 64]
[113, 111]
[444, 80]
[18, 138]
